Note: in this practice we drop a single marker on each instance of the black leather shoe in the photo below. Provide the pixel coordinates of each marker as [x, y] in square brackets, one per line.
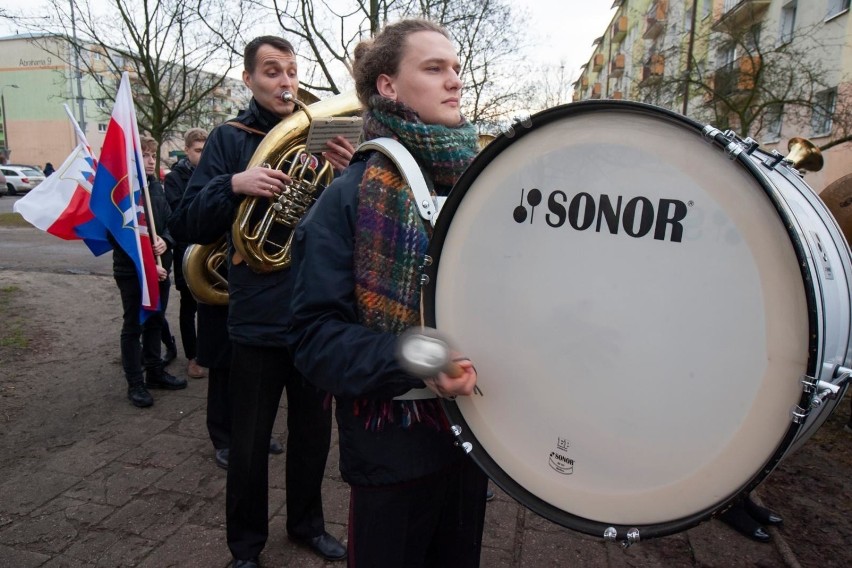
[253, 563]
[738, 519]
[324, 545]
[171, 351]
[221, 458]
[139, 396]
[275, 447]
[163, 380]
[762, 514]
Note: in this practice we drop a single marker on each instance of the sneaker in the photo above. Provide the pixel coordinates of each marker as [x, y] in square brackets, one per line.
[163, 380]
[195, 371]
[171, 351]
[139, 396]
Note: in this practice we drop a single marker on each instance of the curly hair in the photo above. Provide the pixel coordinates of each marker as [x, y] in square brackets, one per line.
[381, 55]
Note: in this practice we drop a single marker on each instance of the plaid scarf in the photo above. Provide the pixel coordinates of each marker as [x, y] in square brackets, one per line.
[391, 238]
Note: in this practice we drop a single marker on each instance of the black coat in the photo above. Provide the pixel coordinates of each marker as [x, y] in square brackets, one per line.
[174, 186]
[338, 354]
[258, 307]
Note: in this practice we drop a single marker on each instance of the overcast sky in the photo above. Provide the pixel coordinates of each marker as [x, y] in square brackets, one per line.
[563, 30]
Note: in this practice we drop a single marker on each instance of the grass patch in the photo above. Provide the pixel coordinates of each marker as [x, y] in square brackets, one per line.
[12, 220]
[13, 333]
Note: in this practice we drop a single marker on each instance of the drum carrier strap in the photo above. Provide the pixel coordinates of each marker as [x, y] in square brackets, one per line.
[427, 205]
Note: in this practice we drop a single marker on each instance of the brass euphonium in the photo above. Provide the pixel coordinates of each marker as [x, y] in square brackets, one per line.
[804, 155]
[263, 229]
[203, 270]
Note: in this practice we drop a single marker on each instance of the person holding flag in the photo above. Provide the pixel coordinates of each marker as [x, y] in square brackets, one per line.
[122, 203]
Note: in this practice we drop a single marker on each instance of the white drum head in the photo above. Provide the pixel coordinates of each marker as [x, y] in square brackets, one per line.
[630, 380]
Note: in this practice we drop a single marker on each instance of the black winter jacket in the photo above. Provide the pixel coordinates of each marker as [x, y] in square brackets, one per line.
[122, 264]
[175, 185]
[338, 354]
[259, 304]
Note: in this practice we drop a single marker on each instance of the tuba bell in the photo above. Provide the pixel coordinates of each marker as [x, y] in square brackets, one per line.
[804, 155]
[263, 229]
[204, 271]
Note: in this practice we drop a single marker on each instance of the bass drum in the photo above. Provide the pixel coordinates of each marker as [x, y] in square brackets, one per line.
[654, 318]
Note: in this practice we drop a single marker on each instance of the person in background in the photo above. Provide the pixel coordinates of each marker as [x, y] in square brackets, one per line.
[140, 342]
[175, 186]
[48, 169]
[416, 499]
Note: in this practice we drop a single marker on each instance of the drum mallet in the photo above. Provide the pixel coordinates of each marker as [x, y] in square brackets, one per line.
[424, 352]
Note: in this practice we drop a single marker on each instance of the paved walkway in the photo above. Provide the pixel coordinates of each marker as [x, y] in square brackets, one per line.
[88, 480]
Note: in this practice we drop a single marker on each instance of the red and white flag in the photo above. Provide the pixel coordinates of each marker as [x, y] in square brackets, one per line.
[60, 204]
[118, 197]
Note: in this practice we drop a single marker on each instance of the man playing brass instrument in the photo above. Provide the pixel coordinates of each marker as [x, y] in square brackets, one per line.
[258, 316]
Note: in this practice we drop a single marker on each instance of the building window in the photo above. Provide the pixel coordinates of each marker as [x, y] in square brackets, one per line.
[707, 8]
[788, 21]
[101, 103]
[102, 127]
[774, 114]
[823, 110]
[836, 7]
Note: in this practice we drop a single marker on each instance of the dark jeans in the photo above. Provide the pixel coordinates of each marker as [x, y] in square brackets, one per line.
[136, 356]
[258, 377]
[432, 522]
[188, 306]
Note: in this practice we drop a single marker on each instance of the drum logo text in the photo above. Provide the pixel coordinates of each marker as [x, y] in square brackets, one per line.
[638, 217]
[558, 460]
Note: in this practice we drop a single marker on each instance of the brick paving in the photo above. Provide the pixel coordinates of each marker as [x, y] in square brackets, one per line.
[87, 480]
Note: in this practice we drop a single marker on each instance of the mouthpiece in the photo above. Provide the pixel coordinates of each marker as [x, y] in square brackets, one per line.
[287, 96]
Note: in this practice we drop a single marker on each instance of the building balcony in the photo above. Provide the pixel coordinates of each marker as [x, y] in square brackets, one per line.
[597, 89]
[598, 62]
[619, 29]
[616, 68]
[736, 78]
[738, 14]
[654, 68]
[655, 21]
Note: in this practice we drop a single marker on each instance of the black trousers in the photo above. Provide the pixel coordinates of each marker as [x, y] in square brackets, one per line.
[218, 407]
[140, 342]
[432, 522]
[258, 377]
[188, 307]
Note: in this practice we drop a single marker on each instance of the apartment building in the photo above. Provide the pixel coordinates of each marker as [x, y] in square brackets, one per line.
[36, 83]
[750, 64]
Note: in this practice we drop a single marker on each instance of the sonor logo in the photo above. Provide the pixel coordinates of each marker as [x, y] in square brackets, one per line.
[637, 217]
[558, 460]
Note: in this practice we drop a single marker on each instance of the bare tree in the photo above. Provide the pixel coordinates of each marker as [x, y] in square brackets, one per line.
[745, 82]
[327, 32]
[176, 64]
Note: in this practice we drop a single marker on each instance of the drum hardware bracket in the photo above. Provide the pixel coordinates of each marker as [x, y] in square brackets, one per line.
[825, 390]
[773, 160]
[611, 535]
[520, 120]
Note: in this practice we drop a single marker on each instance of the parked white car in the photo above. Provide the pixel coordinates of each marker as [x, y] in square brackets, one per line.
[21, 179]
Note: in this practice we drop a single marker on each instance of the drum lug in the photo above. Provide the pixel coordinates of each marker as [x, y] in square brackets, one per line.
[799, 414]
[710, 133]
[611, 535]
